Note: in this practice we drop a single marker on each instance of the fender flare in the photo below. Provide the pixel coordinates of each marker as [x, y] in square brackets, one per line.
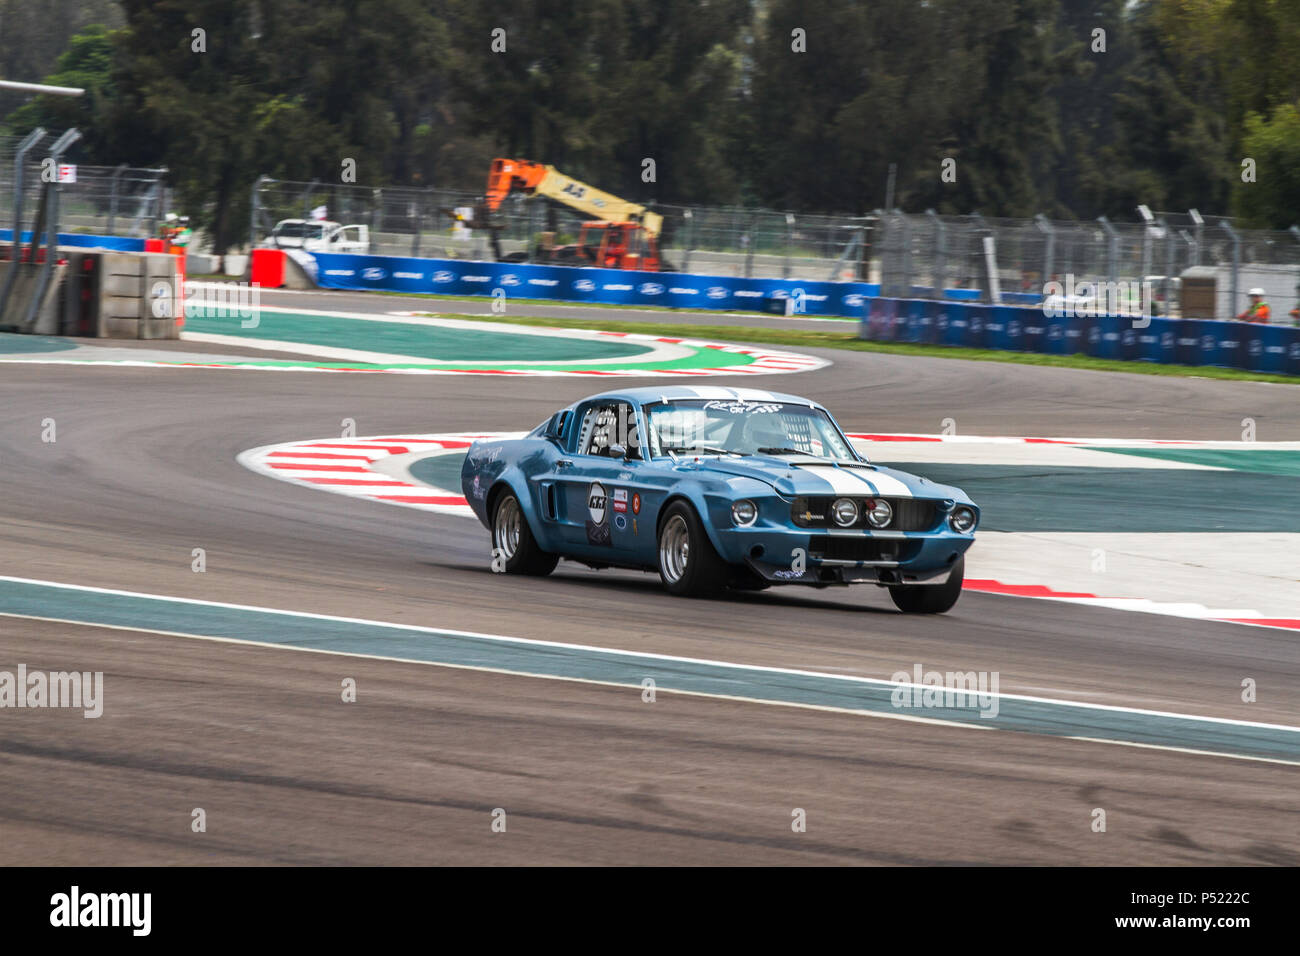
[692, 494]
[514, 480]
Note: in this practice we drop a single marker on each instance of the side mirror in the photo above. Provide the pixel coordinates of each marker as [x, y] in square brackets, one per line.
[617, 451]
[555, 427]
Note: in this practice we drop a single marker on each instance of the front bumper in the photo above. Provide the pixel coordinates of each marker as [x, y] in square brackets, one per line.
[852, 557]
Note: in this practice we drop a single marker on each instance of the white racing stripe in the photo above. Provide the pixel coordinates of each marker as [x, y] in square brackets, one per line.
[753, 395]
[854, 481]
[713, 392]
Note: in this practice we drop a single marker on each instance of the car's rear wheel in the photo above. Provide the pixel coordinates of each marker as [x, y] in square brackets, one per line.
[514, 549]
[688, 565]
[930, 598]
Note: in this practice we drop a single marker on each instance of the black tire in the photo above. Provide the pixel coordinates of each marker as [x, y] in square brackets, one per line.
[694, 570]
[930, 598]
[513, 541]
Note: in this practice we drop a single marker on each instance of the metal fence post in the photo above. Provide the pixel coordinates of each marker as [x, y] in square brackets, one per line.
[1112, 250]
[424, 211]
[640, 249]
[157, 210]
[862, 268]
[1170, 251]
[1146, 246]
[939, 277]
[752, 240]
[980, 262]
[1295, 231]
[1049, 249]
[536, 226]
[61, 146]
[20, 158]
[906, 234]
[306, 198]
[850, 249]
[690, 238]
[789, 244]
[1199, 224]
[414, 209]
[1236, 265]
[1188, 238]
[255, 210]
[113, 182]
[891, 257]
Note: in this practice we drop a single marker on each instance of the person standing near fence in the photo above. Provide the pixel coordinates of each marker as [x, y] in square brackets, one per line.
[176, 232]
[1258, 310]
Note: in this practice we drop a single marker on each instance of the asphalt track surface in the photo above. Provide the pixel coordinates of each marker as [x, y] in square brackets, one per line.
[144, 471]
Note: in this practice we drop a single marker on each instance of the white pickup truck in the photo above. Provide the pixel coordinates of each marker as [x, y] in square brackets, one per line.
[319, 235]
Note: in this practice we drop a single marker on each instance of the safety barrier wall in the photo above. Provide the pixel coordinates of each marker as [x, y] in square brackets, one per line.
[1258, 348]
[677, 290]
[601, 286]
[99, 293]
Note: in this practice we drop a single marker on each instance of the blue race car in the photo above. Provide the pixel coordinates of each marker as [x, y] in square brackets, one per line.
[716, 487]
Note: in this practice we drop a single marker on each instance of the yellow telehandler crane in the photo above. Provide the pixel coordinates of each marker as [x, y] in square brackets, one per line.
[612, 240]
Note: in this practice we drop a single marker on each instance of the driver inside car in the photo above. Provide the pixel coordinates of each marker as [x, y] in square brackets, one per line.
[764, 431]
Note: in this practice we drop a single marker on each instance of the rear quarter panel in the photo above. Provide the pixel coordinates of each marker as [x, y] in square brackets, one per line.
[513, 462]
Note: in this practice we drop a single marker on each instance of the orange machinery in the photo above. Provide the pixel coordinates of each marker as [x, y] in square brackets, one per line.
[624, 235]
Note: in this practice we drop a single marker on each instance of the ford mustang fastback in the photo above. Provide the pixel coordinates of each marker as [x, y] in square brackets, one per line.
[717, 487]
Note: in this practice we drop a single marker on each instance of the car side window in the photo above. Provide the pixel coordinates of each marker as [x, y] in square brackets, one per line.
[605, 424]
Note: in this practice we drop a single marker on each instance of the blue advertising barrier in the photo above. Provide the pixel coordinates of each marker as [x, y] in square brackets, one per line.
[116, 243]
[1257, 348]
[676, 290]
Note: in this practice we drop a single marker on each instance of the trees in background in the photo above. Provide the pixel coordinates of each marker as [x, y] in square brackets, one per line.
[791, 104]
[35, 33]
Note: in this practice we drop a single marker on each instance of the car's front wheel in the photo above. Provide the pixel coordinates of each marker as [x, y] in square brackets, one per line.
[688, 565]
[930, 598]
[514, 549]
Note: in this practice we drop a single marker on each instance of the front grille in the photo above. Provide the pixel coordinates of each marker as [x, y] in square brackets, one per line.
[910, 514]
[833, 547]
[913, 514]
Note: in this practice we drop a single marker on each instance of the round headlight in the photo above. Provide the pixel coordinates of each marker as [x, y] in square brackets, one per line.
[844, 511]
[879, 513]
[962, 519]
[744, 512]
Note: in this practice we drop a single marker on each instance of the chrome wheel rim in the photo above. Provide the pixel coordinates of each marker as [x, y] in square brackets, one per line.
[674, 549]
[505, 529]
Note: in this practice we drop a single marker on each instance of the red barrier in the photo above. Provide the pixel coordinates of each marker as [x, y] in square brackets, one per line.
[180, 287]
[267, 268]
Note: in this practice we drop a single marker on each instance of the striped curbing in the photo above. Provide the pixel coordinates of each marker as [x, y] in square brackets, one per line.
[365, 468]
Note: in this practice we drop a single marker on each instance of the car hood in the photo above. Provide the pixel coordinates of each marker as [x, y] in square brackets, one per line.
[801, 475]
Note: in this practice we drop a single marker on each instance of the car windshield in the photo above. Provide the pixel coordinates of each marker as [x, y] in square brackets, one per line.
[722, 427]
[299, 230]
